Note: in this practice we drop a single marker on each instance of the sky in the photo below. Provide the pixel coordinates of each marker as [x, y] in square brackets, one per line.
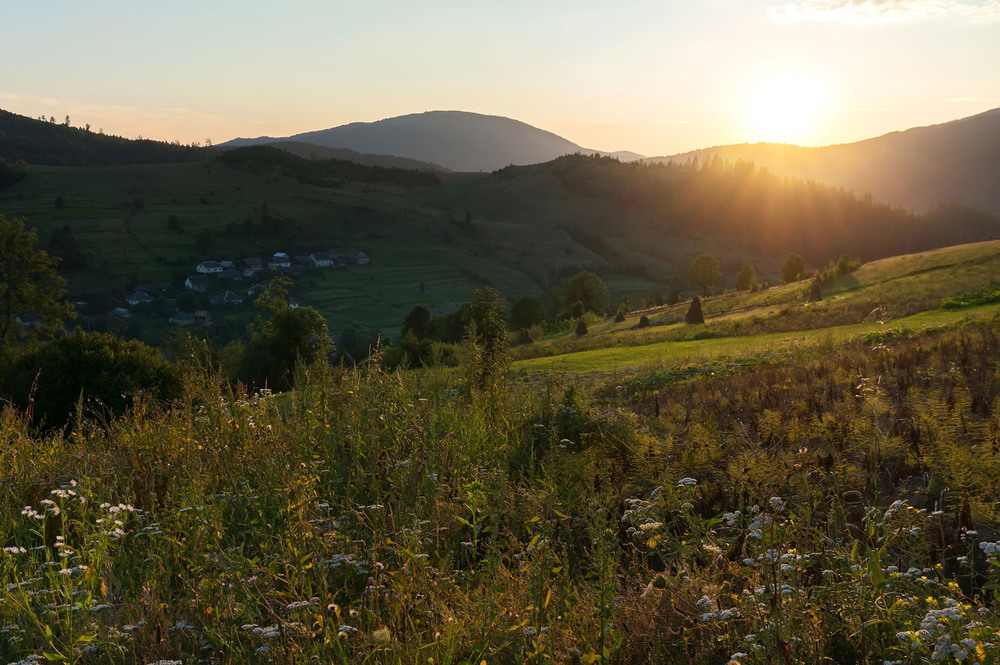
[655, 77]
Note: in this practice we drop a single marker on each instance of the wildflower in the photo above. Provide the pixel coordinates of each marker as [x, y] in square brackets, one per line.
[15, 550]
[298, 605]
[687, 482]
[267, 631]
[776, 503]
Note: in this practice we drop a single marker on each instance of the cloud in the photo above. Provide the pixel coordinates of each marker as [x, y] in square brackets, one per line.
[876, 12]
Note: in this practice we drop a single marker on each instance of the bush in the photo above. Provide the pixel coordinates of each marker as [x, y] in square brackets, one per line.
[581, 328]
[620, 317]
[643, 321]
[102, 370]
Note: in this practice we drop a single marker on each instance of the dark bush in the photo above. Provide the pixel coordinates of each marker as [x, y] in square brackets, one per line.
[581, 328]
[103, 371]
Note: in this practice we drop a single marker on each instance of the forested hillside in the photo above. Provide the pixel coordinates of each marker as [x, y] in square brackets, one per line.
[41, 142]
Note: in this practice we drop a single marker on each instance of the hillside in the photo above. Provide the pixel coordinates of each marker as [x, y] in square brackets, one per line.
[38, 142]
[457, 140]
[313, 151]
[434, 238]
[953, 162]
[817, 495]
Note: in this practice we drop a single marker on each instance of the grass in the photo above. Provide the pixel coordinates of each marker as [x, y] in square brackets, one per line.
[695, 351]
[788, 488]
[823, 504]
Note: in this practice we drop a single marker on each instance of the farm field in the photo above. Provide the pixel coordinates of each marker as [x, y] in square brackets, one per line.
[791, 489]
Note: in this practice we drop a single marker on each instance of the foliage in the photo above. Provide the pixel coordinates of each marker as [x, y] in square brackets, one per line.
[29, 284]
[784, 508]
[705, 273]
[746, 278]
[694, 314]
[39, 142]
[289, 336]
[792, 268]
[526, 312]
[588, 289]
[323, 172]
[581, 328]
[100, 372]
[11, 173]
[489, 354]
[971, 299]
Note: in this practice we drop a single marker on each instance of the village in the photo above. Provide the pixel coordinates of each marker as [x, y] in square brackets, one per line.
[231, 283]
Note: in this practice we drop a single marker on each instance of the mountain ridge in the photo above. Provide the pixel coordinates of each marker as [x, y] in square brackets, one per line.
[918, 168]
[456, 140]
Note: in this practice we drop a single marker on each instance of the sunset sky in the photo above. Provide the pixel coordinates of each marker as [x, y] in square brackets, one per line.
[656, 77]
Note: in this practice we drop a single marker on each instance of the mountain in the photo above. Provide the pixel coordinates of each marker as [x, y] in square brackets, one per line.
[457, 140]
[46, 143]
[953, 162]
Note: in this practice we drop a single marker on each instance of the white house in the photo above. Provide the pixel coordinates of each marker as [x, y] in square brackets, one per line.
[280, 260]
[209, 268]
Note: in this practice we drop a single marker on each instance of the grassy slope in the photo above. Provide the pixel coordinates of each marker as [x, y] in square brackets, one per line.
[896, 294]
[374, 517]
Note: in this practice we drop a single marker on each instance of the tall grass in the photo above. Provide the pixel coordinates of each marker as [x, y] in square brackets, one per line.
[833, 505]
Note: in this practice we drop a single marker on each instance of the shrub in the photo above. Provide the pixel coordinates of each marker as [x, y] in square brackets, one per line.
[581, 328]
[643, 321]
[620, 317]
[102, 370]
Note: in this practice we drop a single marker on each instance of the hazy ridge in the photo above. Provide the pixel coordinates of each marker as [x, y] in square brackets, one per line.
[956, 162]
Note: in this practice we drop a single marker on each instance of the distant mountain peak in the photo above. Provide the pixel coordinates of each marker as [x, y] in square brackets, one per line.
[456, 140]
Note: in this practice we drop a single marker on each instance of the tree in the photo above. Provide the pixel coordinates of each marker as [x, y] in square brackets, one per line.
[526, 312]
[589, 289]
[745, 278]
[29, 283]
[705, 273]
[104, 370]
[694, 315]
[792, 268]
[417, 322]
[290, 335]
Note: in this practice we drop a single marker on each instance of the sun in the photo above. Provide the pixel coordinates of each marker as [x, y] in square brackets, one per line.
[786, 108]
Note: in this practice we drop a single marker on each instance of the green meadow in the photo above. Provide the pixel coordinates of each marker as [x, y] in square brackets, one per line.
[791, 482]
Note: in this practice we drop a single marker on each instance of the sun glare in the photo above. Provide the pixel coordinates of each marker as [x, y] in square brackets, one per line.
[787, 108]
